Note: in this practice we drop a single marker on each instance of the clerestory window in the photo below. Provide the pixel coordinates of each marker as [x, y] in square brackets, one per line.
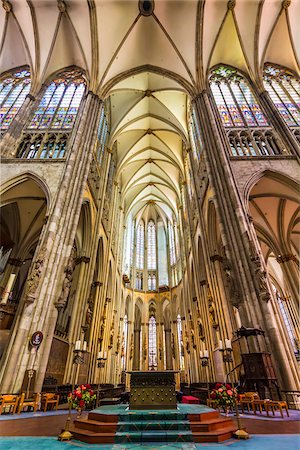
[13, 90]
[284, 90]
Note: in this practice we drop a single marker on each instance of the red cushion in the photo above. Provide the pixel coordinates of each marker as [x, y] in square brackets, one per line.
[190, 399]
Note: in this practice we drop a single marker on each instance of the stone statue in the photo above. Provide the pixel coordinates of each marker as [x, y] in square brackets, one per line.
[35, 277]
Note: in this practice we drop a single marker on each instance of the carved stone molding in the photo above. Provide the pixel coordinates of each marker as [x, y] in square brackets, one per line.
[15, 262]
[82, 259]
[215, 258]
[285, 258]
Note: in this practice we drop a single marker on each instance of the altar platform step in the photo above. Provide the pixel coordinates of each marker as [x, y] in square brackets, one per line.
[154, 436]
[189, 423]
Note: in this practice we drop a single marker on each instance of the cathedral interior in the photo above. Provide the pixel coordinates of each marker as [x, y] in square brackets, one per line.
[150, 193]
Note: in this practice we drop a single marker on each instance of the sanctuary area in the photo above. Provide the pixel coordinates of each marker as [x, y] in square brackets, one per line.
[150, 208]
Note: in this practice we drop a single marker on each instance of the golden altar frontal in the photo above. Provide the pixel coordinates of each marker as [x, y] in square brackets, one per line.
[152, 390]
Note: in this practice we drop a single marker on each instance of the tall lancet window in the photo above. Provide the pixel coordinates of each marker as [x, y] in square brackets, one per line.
[13, 90]
[235, 101]
[151, 245]
[172, 245]
[124, 341]
[140, 238]
[180, 342]
[60, 103]
[284, 90]
[286, 317]
[152, 344]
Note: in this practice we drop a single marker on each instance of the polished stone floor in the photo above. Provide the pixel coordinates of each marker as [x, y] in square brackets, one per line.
[256, 442]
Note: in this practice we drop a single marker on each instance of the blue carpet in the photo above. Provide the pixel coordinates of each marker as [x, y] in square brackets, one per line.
[257, 442]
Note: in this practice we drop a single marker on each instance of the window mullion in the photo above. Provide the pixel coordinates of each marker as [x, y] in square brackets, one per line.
[279, 97]
[236, 103]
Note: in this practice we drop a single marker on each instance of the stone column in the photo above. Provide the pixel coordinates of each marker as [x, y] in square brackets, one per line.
[47, 272]
[247, 285]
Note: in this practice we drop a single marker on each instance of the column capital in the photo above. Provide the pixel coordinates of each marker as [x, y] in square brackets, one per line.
[215, 258]
[285, 258]
[15, 262]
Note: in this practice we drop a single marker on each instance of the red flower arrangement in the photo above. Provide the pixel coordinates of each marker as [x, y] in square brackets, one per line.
[224, 395]
[82, 396]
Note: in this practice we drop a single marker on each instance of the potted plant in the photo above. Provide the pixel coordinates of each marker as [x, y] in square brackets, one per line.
[81, 397]
[225, 396]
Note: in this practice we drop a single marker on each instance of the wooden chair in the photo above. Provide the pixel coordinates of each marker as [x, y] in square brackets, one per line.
[247, 399]
[49, 399]
[276, 405]
[34, 402]
[9, 400]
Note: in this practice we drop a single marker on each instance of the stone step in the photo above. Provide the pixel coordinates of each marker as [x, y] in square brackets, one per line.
[153, 425]
[203, 417]
[103, 417]
[211, 425]
[92, 438]
[149, 416]
[96, 426]
[214, 436]
[154, 436]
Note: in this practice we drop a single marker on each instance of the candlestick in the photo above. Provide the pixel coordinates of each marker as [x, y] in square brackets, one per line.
[228, 343]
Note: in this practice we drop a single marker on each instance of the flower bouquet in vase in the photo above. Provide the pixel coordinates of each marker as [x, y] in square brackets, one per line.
[225, 396]
[81, 398]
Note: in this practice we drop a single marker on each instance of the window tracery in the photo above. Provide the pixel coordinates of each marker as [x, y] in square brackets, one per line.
[48, 130]
[248, 130]
[13, 91]
[284, 90]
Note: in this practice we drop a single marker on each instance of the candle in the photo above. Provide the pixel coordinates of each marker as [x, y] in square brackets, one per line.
[220, 345]
[205, 354]
[84, 346]
[201, 354]
[77, 345]
[228, 343]
[105, 355]
[8, 288]
[99, 355]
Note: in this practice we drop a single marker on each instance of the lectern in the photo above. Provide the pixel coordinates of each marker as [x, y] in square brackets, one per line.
[152, 390]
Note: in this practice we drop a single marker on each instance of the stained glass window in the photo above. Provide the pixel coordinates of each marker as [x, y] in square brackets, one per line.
[282, 304]
[124, 343]
[152, 344]
[284, 90]
[140, 237]
[151, 245]
[180, 342]
[60, 103]
[234, 99]
[13, 90]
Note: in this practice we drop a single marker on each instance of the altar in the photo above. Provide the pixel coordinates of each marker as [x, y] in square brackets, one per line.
[152, 390]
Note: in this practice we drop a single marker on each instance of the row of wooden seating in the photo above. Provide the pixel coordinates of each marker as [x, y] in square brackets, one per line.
[15, 403]
[251, 401]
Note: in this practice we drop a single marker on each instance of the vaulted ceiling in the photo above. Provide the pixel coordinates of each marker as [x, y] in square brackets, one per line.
[149, 66]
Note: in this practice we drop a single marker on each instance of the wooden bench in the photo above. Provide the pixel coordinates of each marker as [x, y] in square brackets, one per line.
[49, 399]
[9, 400]
[33, 402]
